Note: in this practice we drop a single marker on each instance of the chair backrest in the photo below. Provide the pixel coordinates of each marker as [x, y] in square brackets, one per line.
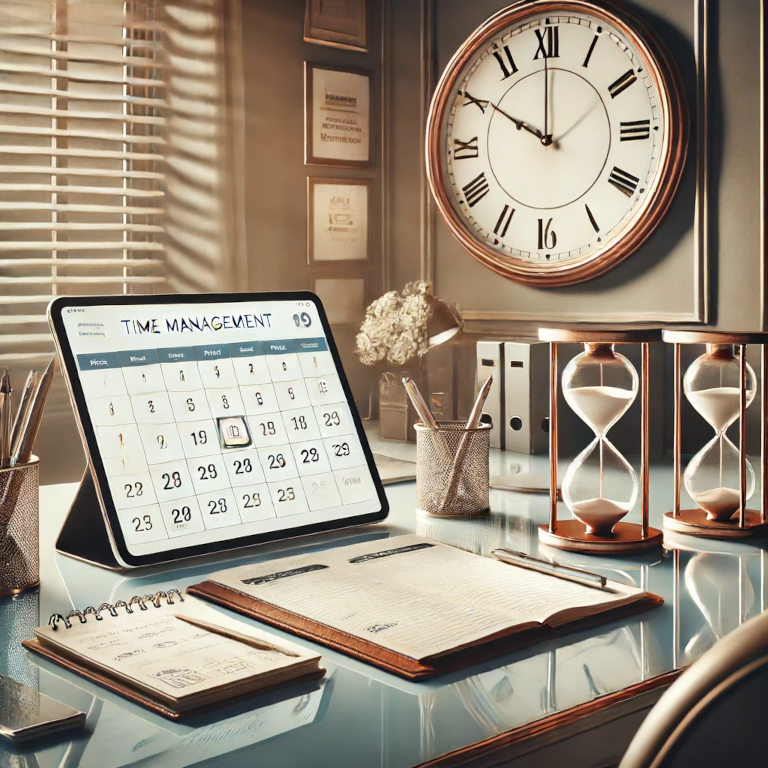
[715, 713]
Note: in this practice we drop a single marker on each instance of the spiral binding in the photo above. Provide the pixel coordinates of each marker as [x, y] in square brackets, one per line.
[143, 603]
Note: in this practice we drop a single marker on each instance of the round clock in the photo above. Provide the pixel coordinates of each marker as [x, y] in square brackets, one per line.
[556, 139]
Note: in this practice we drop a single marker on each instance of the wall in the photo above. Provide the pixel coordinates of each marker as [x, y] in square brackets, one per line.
[276, 176]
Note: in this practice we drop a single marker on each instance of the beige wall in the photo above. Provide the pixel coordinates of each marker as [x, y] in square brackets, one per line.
[276, 176]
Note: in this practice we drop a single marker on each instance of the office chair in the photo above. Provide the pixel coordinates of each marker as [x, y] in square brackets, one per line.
[715, 713]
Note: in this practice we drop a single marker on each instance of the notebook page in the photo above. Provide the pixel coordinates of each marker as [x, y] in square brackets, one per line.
[410, 595]
[168, 656]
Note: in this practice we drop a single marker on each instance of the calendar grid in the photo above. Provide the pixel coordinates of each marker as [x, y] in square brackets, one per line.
[223, 436]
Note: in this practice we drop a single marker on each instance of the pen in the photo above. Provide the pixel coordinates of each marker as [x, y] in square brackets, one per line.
[21, 413]
[461, 454]
[233, 634]
[421, 408]
[5, 419]
[34, 416]
[568, 572]
[477, 408]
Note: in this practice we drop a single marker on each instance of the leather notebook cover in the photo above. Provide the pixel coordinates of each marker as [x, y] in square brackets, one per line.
[120, 688]
[394, 662]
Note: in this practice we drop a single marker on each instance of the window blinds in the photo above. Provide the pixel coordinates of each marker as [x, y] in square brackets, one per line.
[116, 136]
[82, 141]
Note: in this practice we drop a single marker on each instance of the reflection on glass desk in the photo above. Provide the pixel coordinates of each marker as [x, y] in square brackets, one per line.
[362, 716]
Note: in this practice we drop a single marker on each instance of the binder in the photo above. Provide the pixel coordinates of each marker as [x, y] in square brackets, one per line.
[489, 361]
[526, 397]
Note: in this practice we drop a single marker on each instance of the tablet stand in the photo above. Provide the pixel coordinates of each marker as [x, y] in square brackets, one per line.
[84, 534]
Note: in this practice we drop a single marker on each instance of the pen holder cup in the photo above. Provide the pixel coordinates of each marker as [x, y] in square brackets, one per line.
[19, 527]
[452, 469]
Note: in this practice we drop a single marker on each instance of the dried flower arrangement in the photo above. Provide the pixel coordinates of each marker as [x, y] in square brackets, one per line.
[395, 326]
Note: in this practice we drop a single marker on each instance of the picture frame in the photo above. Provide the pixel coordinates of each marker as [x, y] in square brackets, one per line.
[338, 116]
[337, 23]
[343, 299]
[338, 220]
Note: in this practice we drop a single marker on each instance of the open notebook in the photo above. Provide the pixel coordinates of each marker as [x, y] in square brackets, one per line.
[173, 655]
[413, 606]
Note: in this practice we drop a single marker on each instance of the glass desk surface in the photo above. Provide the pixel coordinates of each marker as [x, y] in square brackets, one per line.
[360, 715]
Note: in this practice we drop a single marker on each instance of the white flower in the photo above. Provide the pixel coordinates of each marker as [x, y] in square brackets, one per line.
[395, 326]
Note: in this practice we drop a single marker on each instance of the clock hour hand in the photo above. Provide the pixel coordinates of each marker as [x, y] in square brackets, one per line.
[519, 124]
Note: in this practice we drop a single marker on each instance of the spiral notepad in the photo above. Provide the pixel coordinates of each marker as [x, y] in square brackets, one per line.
[171, 653]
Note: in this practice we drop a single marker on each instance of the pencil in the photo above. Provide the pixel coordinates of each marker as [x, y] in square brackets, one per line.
[461, 454]
[34, 417]
[21, 413]
[5, 419]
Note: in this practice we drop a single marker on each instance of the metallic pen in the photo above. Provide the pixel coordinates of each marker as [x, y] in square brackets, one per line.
[568, 572]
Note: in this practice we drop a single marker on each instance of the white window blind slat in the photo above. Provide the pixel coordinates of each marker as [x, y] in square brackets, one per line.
[74, 114]
[48, 170]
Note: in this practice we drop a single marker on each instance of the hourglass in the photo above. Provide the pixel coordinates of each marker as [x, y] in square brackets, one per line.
[720, 385]
[600, 487]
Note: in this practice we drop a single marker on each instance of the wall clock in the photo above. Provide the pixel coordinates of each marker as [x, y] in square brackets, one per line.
[556, 140]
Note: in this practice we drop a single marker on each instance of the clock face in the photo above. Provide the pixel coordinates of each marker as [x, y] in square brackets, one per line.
[555, 141]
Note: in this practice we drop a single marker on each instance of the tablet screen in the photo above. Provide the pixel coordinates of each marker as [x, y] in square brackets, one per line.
[215, 419]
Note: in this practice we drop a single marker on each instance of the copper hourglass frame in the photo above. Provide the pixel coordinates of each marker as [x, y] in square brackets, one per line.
[748, 522]
[571, 534]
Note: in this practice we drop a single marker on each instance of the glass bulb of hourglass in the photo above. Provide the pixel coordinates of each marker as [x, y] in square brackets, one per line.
[712, 384]
[599, 385]
[599, 487]
[712, 479]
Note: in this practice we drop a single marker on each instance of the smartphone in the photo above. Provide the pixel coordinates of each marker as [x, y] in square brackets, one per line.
[28, 714]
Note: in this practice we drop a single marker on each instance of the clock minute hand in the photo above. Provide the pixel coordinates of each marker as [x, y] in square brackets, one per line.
[518, 123]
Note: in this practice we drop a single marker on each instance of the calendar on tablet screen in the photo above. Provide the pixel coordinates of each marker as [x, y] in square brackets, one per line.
[217, 421]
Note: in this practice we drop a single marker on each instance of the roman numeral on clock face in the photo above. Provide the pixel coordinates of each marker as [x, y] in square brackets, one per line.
[633, 130]
[591, 218]
[476, 190]
[505, 217]
[481, 104]
[591, 48]
[464, 150]
[506, 62]
[548, 42]
[625, 182]
[622, 83]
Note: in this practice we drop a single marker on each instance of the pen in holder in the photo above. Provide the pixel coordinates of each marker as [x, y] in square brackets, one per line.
[19, 527]
[452, 469]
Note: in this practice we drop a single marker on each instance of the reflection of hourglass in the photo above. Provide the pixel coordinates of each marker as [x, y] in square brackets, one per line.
[600, 487]
[714, 582]
[720, 386]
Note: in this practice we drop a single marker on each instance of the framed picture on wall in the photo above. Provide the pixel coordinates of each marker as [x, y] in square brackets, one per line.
[337, 126]
[343, 299]
[338, 23]
[337, 219]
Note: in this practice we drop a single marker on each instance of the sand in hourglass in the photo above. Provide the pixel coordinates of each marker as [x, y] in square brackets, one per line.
[599, 515]
[719, 405]
[599, 406]
[719, 503]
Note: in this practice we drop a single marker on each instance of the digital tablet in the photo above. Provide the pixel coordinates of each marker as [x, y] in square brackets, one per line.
[214, 421]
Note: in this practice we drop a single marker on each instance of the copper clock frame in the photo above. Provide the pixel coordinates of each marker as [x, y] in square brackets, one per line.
[657, 201]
